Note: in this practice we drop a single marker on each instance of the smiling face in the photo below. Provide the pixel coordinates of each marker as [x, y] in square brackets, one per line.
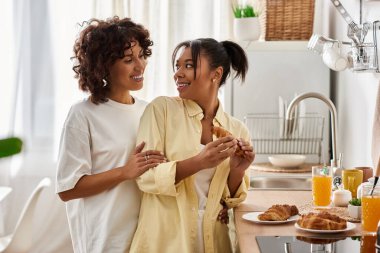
[126, 74]
[197, 88]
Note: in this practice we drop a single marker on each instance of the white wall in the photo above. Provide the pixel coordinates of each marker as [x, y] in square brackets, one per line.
[355, 93]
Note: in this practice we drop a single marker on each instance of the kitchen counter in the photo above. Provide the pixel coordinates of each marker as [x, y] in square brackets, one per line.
[247, 231]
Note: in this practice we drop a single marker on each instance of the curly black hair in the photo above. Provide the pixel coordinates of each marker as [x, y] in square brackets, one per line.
[99, 45]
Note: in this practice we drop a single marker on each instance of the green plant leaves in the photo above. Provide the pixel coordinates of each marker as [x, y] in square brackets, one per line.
[355, 202]
[10, 146]
[246, 11]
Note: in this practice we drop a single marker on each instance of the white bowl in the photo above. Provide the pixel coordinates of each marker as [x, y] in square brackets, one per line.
[286, 161]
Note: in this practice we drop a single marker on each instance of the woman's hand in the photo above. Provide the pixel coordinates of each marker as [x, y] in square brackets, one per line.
[217, 151]
[223, 214]
[211, 155]
[139, 162]
[240, 163]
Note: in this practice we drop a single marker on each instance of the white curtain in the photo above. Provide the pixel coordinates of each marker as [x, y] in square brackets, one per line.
[169, 22]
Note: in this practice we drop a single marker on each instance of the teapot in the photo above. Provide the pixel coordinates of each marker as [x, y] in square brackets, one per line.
[359, 190]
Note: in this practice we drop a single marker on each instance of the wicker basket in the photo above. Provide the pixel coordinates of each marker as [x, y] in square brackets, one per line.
[287, 19]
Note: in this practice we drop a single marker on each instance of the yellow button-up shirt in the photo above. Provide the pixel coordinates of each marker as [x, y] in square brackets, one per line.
[169, 211]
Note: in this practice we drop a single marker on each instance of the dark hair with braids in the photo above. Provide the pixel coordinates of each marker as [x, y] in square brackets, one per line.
[226, 54]
[99, 45]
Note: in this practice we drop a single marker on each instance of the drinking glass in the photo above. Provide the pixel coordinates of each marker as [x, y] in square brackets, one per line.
[370, 209]
[351, 180]
[367, 244]
[321, 186]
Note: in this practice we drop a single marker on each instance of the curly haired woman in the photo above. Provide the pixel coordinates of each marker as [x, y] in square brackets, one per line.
[98, 160]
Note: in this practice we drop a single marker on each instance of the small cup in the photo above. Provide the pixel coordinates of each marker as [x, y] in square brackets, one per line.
[367, 172]
[351, 180]
[333, 58]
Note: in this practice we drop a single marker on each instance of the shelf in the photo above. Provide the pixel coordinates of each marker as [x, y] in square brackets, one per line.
[274, 45]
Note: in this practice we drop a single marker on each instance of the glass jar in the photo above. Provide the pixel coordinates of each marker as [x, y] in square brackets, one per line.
[370, 208]
[370, 182]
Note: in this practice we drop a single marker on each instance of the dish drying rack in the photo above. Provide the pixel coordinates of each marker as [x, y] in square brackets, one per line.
[270, 134]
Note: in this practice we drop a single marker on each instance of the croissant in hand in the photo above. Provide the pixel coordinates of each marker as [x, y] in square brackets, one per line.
[278, 213]
[221, 132]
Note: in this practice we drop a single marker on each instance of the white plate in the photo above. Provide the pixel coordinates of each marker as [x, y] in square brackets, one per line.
[253, 217]
[287, 160]
[350, 226]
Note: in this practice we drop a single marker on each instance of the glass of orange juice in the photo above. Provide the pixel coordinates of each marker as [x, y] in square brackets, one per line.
[367, 244]
[370, 209]
[322, 186]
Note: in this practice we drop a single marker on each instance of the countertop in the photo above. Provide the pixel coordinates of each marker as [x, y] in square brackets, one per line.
[247, 231]
[256, 170]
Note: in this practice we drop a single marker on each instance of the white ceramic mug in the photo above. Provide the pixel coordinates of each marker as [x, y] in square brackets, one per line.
[333, 58]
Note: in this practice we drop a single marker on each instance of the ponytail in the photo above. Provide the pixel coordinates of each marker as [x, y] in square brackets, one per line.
[238, 58]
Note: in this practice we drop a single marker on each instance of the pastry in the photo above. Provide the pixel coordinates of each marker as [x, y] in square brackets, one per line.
[220, 132]
[322, 221]
[278, 213]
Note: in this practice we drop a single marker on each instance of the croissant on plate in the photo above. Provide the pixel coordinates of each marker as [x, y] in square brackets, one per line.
[220, 132]
[322, 221]
[278, 213]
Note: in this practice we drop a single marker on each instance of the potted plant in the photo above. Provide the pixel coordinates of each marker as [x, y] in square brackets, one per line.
[246, 22]
[10, 146]
[355, 208]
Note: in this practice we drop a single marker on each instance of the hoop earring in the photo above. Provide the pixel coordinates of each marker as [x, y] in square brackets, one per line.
[105, 83]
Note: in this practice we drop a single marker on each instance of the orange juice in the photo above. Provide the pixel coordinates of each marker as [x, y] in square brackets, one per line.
[370, 213]
[367, 244]
[321, 187]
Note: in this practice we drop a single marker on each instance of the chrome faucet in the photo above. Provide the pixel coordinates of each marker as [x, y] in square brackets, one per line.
[335, 162]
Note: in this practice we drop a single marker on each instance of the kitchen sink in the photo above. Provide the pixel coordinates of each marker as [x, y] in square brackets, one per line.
[281, 183]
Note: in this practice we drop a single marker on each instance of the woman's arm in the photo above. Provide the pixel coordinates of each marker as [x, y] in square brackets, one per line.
[89, 185]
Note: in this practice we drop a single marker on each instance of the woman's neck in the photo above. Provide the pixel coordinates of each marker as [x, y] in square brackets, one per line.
[210, 108]
[123, 98]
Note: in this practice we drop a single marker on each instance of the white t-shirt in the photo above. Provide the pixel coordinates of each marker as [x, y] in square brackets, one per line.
[202, 185]
[97, 138]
